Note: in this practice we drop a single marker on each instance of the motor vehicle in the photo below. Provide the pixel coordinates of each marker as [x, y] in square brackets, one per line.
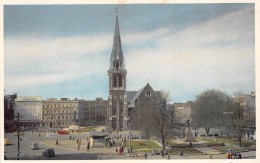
[34, 146]
[7, 142]
[253, 147]
[16, 133]
[48, 152]
[62, 132]
[49, 134]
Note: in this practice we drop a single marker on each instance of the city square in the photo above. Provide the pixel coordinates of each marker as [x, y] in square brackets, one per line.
[68, 150]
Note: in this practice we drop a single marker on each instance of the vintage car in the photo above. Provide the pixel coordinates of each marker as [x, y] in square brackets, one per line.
[7, 142]
[34, 146]
[48, 152]
[63, 132]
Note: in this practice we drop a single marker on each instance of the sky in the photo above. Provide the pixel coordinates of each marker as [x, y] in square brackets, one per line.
[56, 51]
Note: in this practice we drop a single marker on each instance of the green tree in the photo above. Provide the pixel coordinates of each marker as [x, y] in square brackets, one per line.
[209, 108]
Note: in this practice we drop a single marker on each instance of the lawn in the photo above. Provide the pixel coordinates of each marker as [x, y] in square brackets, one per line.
[144, 145]
[210, 142]
[234, 142]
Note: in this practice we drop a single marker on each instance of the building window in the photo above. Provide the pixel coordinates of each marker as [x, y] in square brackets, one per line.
[115, 81]
[120, 80]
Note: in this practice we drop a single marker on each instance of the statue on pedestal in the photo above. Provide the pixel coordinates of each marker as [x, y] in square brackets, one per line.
[188, 134]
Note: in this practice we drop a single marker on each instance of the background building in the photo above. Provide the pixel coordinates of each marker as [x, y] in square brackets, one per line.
[94, 112]
[9, 107]
[182, 111]
[60, 113]
[30, 109]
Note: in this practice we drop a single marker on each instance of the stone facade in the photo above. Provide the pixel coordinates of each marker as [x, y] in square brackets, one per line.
[95, 112]
[141, 100]
[117, 116]
[60, 113]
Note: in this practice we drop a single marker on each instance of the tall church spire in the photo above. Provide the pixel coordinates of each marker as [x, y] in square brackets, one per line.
[118, 107]
[117, 58]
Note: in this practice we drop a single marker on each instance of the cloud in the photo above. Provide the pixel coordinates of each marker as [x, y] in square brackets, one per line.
[218, 53]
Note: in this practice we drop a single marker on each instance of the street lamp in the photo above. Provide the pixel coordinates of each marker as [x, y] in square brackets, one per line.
[129, 135]
[18, 136]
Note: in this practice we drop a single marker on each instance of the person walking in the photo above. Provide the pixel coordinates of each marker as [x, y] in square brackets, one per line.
[153, 151]
[145, 156]
[181, 153]
[168, 155]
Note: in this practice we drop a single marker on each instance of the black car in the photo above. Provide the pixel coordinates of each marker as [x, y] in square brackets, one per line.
[48, 152]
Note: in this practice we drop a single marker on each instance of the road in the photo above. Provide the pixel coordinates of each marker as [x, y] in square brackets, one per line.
[26, 153]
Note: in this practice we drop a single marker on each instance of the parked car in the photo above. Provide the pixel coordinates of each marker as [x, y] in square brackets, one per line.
[34, 146]
[62, 132]
[16, 133]
[48, 152]
[7, 142]
[253, 147]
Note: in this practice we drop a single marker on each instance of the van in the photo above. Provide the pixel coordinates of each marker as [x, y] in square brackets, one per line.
[34, 146]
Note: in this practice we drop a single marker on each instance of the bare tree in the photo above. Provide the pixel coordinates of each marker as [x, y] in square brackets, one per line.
[208, 109]
[163, 122]
[237, 119]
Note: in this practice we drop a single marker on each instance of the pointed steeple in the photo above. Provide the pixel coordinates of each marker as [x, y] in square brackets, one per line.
[117, 58]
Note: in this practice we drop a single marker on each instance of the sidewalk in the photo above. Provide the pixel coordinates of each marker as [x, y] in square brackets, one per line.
[208, 151]
[110, 153]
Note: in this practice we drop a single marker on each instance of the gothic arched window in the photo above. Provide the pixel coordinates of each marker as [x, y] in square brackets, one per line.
[120, 80]
[115, 81]
[117, 64]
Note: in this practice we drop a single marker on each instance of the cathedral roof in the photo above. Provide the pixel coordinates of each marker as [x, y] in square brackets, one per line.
[134, 95]
[117, 53]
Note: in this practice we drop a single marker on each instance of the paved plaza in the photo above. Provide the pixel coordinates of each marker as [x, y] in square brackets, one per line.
[68, 149]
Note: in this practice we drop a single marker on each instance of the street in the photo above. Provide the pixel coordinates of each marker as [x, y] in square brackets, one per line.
[27, 153]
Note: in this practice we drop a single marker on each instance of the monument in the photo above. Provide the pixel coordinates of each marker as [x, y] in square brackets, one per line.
[188, 134]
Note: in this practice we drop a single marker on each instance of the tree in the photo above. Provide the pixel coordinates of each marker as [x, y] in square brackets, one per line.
[209, 108]
[154, 118]
[237, 117]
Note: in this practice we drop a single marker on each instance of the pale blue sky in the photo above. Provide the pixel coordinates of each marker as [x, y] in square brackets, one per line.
[64, 50]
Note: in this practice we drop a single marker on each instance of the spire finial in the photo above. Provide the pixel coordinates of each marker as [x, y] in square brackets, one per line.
[116, 11]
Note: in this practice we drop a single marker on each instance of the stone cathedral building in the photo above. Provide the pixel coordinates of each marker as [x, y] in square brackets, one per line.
[123, 104]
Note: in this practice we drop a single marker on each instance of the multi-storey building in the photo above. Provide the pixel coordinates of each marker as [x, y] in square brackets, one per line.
[95, 112]
[182, 111]
[30, 110]
[60, 113]
[9, 107]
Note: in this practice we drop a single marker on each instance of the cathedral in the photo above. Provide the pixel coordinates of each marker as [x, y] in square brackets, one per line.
[122, 104]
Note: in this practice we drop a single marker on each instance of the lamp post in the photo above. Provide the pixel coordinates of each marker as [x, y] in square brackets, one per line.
[18, 136]
[129, 135]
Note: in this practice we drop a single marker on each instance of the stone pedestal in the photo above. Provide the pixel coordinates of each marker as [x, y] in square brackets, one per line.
[188, 135]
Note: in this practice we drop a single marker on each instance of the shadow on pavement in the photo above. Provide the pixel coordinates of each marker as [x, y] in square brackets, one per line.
[76, 156]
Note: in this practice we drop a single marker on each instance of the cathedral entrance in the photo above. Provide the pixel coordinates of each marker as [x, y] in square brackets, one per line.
[114, 122]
